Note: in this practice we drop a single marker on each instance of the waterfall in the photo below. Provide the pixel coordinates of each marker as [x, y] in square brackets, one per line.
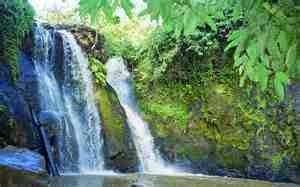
[67, 89]
[120, 79]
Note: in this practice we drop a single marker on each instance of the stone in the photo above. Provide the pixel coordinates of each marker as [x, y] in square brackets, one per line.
[22, 160]
[21, 167]
[119, 149]
[137, 185]
[294, 175]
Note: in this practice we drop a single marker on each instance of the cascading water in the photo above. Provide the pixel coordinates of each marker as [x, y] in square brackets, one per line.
[79, 141]
[120, 79]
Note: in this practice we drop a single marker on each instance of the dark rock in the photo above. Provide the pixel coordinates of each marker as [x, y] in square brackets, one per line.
[294, 174]
[230, 173]
[23, 160]
[260, 172]
[137, 185]
[21, 167]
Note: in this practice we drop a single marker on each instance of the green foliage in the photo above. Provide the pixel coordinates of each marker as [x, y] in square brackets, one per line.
[125, 38]
[166, 57]
[16, 21]
[94, 9]
[98, 70]
[266, 47]
[189, 89]
[186, 15]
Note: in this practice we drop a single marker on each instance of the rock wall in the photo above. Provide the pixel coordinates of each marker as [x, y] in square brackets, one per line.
[228, 136]
[16, 127]
[119, 148]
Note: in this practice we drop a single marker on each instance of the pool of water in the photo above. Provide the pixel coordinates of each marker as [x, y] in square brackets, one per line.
[147, 180]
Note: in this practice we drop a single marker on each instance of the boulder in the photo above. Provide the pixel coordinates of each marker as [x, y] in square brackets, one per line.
[22, 160]
[19, 167]
[119, 148]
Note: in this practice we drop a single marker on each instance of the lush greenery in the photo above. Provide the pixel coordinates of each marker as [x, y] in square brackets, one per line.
[98, 70]
[209, 75]
[264, 59]
[16, 22]
[189, 69]
[189, 91]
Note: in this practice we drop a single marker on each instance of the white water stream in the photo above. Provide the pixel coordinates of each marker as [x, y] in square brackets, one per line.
[120, 79]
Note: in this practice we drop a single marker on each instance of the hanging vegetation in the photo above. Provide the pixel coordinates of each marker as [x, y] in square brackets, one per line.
[16, 21]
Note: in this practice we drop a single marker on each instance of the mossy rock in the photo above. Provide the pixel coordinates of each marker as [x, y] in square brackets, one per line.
[120, 151]
[225, 128]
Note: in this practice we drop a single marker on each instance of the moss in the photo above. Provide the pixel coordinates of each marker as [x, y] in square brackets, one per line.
[217, 121]
[113, 123]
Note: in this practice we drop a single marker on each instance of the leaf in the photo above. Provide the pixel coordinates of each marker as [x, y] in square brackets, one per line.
[242, 60]
[250, 71]
[283, 41]
[127, 6]
[280, 82]
[234, 35]
[190, 21]
[233, 44]
[262, 76]
[211, 23]
[291, 55]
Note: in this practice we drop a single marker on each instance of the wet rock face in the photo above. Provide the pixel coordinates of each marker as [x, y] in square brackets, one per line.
[14, 97]
[120, 152]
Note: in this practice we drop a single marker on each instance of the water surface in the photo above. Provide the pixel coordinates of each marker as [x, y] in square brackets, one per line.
[142, 180]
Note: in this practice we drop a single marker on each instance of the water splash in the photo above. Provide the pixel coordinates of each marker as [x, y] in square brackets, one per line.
[79, 141]
[120, 79]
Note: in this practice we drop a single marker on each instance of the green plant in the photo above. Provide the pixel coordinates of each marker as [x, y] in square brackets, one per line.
[125, 38]
[266, 47]
[16, 21]
[92, 10]
[98, 70]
